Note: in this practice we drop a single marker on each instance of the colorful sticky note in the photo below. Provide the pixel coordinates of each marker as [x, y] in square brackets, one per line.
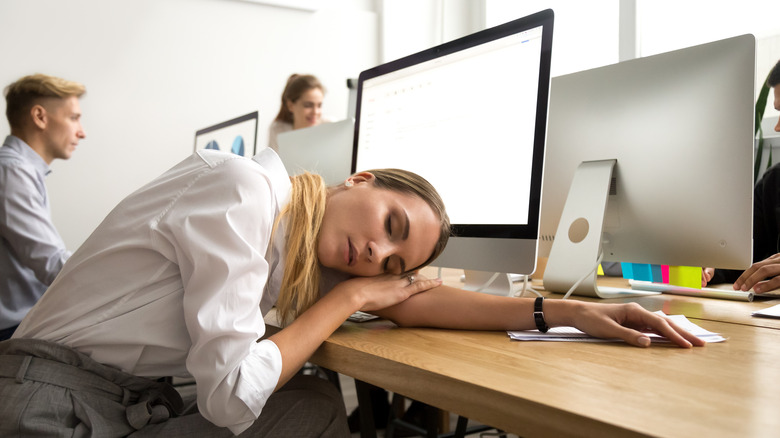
[657, 272]
[685, 276]
[628, 270]
[642, 272]
[601, 270]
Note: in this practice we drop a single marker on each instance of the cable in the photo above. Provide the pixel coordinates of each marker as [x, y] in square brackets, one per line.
[489, 282]
[587, 274]
[526, 287]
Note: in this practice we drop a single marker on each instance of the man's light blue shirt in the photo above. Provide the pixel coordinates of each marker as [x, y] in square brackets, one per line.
[31, 250]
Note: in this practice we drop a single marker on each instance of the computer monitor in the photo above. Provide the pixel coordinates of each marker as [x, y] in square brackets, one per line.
[237, 135]
[351, 98]
[325, 149]
[667, 142]
[470, 117]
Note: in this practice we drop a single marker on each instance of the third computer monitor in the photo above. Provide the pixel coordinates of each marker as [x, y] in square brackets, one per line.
[678, 128]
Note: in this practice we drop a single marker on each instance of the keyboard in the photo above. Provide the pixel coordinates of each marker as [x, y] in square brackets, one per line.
[708, 292]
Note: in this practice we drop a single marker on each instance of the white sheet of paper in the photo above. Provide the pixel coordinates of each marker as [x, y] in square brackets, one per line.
[571, 334]
[769, 312]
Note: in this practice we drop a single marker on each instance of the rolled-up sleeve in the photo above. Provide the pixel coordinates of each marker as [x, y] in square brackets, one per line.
[220, 229]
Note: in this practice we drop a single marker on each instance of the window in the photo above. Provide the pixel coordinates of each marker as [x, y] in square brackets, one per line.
[585, 35]
[666, 25]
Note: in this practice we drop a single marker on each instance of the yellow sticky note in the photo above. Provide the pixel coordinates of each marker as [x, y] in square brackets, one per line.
[601, 270]
[685, 276]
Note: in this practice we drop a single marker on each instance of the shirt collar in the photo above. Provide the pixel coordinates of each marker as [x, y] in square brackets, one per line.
[18, 145]
[275, 168]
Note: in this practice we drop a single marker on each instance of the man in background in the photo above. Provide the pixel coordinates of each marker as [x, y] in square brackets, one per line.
[45, 119]
[764, 274]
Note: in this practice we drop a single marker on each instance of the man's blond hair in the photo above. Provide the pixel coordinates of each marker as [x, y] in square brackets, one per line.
[30, 90]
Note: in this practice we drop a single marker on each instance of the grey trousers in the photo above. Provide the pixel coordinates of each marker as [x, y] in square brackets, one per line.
[50, 390]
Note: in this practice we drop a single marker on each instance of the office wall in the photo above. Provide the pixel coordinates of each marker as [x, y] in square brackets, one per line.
[158, 70]
[409, 26]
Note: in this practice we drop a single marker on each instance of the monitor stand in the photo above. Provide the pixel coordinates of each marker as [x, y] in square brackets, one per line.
[493, 283]
[575, 252]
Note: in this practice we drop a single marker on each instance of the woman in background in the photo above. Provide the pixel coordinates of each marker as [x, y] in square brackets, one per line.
[301, 107]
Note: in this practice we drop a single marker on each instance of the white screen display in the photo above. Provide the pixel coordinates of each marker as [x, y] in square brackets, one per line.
[465, 122]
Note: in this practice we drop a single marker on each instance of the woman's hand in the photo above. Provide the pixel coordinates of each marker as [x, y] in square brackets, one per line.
[762, 276]
[706, 276]
[379, 292]
[629, 322]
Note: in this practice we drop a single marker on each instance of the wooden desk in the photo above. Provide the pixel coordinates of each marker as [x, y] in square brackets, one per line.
[581, 389]
[573, 389]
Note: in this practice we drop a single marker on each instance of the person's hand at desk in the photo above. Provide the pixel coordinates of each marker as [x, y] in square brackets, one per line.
[453, 308]
[761, 277]
[627, 322]
[706, 276]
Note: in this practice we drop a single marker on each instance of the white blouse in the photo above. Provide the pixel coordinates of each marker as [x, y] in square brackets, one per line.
[176, 280]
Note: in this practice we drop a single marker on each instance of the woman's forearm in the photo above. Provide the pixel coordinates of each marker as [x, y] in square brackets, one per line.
[298, 341]
[448, 307]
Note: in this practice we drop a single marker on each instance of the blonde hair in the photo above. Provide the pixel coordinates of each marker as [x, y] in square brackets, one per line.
[301, 279]
[28, 91]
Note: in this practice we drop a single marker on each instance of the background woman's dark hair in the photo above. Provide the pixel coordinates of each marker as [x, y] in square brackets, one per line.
[296, 86]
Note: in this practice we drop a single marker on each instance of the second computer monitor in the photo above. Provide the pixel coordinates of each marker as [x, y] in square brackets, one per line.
[325, 149]
[679, 127]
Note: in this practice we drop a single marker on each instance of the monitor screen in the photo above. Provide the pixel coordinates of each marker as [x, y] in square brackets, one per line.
[679, 126]
[237, 135]
[324, 149]
[470, 117]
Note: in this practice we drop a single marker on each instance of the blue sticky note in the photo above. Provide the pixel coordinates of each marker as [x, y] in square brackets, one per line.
[658, 273]
[642, 272]
[628, 270]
